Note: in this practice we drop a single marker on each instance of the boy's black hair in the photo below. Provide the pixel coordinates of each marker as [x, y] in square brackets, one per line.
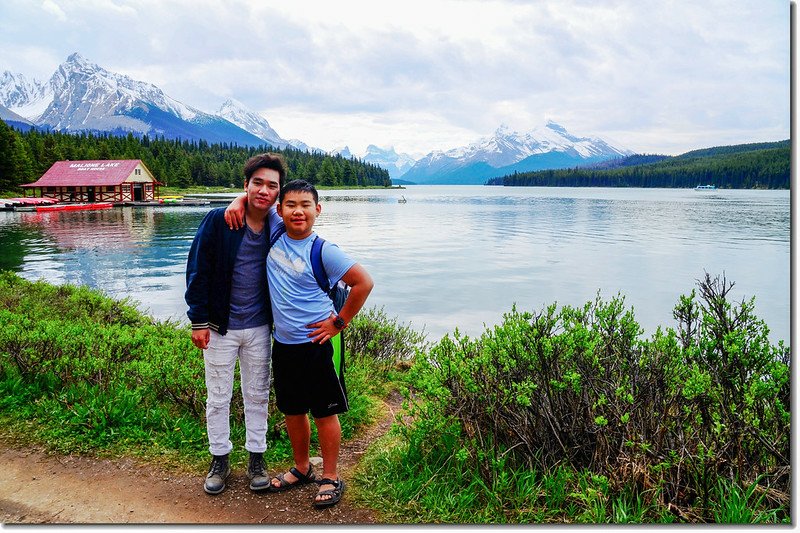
[265, 160]
[301, 186]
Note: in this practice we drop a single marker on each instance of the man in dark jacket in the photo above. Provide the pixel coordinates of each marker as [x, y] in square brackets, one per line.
[229, 308]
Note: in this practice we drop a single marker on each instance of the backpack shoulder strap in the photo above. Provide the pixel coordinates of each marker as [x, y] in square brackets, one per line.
[274, 238]
[316, 264]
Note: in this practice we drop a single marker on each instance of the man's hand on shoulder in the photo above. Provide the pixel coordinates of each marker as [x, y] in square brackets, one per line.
[234, 213]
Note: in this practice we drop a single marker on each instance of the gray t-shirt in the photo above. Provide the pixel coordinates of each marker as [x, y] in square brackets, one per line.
[249, 283]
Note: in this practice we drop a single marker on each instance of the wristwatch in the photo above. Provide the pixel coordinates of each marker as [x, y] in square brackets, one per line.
[339, 322]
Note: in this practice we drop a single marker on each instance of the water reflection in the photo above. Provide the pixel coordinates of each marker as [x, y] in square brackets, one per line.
[457, 256]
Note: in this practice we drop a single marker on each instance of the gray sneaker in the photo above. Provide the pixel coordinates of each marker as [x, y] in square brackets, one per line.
[255, 471]
[217, 474]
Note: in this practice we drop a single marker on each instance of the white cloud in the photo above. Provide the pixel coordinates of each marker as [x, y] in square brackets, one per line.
[659, 76]
[52, 8]
[421, 132]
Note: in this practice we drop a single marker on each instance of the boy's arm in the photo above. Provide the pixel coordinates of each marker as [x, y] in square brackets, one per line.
[234, 213]
[360, 286]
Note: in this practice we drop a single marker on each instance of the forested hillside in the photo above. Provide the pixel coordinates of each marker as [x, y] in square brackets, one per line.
[25, 156]
[746, 166]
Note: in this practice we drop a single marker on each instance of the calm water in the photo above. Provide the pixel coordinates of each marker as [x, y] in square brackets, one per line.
[459, 256]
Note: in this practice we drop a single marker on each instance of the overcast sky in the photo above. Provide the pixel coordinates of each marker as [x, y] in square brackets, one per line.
[651, 76]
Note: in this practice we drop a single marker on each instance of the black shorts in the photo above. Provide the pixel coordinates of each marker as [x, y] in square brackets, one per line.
[305, 380]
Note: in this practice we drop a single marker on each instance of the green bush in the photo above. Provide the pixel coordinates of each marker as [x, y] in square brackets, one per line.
[661, 420]
[84, 372]
[381, 342]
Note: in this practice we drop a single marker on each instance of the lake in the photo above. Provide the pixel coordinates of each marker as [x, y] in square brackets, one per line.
[459, 256]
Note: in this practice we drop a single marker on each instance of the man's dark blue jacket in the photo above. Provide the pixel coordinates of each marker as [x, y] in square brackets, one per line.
[208, 273]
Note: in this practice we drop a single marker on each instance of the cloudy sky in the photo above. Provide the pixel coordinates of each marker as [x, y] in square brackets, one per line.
[651, 76]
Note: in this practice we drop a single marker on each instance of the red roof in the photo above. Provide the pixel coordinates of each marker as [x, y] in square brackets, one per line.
[91, 173]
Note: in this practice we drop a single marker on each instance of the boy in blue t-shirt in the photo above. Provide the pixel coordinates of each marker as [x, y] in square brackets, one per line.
[305, 321]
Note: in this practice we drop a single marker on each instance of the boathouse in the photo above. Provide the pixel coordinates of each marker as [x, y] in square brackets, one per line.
[126, 180]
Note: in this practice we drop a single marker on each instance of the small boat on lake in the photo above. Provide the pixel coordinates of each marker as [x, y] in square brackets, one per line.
[32, 202]
[402, 200]
[74, 207]
[706, 188]
[170, 199]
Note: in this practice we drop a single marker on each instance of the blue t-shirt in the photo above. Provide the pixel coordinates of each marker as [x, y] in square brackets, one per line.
[296, 297]
[249, 283]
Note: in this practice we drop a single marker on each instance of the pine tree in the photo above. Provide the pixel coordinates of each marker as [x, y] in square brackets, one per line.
[15, 162]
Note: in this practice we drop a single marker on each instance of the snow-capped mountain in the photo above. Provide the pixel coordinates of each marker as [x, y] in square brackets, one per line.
[250, 121]
[344, 152]
[14, 120]
[386, 158]
[300, 145]
[28, 98]
[506, 151]
[238, 114]
[82, 96]
[396, 164]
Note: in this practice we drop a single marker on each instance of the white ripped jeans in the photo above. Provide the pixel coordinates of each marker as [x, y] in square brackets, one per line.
[252, 347]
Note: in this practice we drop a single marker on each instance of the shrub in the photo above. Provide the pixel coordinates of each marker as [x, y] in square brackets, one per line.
[661, 418]
[381, 342]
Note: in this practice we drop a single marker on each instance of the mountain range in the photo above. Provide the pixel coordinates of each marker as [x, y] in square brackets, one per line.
[507, 151]
[81, 96]
[388, 158]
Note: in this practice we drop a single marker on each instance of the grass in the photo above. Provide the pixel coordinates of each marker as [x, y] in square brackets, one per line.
[549, 418]
[406, 492]
[84, 373]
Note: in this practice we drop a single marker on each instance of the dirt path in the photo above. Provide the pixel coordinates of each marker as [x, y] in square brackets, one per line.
[39, 488]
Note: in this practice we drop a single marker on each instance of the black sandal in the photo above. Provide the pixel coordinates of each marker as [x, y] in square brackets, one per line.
[302, 479]
[335, 493]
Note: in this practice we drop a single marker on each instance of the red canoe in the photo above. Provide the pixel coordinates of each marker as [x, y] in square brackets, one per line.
[74, 207]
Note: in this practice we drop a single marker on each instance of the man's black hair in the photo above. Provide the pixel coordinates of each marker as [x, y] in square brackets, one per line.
[265, 160]
[301, 186]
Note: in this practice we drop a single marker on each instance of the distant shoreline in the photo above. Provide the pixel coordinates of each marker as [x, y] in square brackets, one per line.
[175, 191]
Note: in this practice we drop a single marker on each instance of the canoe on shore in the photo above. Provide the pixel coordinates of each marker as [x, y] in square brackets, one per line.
[74, 207]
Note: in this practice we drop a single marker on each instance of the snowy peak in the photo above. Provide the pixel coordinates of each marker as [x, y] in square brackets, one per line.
[23, 97]
[82, 96]
[17, 91]
[344, 152]
[300, 145]
[235, 112]
[85, 94]
[548, 146]
[389, 159]
[558, 128]
[386, 158]
[11, 118]
[506, 147]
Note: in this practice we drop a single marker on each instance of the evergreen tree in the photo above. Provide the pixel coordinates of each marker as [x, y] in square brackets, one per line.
[28, 155]
[15, 162]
